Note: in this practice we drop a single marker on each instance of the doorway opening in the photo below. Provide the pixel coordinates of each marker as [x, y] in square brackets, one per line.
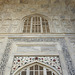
[37, 69]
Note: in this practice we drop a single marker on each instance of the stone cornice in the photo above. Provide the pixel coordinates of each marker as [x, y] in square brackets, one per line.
[36, 35]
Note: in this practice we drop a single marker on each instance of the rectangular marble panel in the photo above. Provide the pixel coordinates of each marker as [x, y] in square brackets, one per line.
[36, 48]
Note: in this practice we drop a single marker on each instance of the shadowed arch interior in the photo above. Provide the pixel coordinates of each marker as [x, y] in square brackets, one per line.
[36, 68]
[36, 24]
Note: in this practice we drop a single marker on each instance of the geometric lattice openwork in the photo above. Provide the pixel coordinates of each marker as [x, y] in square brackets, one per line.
[36, 70]
[36, 24]
[52, 61]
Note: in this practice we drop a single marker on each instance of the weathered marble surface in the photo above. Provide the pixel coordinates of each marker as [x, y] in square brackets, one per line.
[71, 70]
[36, 48]
[61, 14]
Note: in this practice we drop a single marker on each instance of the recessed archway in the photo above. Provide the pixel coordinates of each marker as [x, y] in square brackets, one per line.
[36, 23]
[36, 68]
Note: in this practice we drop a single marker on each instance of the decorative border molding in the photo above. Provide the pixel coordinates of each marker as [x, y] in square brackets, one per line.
[20, 61]
[71, 70]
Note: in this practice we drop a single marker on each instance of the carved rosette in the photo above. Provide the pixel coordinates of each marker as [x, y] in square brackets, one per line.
[21, 61]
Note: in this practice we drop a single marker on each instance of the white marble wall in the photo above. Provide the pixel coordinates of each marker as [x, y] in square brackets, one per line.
[60, 16]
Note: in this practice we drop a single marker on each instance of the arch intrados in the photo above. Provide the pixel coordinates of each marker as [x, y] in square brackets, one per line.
[32, 15]
[33, 63]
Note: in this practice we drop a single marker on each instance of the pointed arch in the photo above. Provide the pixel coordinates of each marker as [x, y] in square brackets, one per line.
[45, 67]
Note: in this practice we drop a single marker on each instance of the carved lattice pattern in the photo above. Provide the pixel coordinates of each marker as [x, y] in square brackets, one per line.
[36, 24]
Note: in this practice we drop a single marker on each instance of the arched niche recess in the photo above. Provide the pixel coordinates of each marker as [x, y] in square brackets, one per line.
[36, 23]
[36, 68]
